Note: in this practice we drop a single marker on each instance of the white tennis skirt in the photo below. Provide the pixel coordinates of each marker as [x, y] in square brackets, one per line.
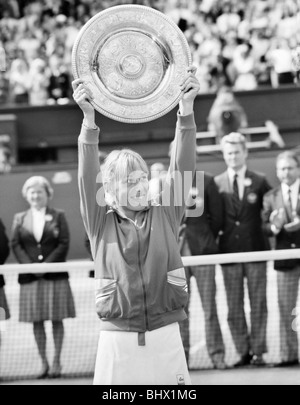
[121, 361]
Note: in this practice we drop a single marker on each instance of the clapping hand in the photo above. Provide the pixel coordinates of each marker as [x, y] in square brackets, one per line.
[293, 226]
[278, 218]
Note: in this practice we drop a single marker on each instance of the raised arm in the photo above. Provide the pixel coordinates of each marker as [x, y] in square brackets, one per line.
[92, 202]
[183, 157]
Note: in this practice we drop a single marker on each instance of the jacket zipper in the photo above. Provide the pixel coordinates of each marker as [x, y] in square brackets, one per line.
[143, 283]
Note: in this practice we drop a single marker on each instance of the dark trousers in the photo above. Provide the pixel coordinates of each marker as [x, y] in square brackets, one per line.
[256, 275]
[288, 289]
[205, 278]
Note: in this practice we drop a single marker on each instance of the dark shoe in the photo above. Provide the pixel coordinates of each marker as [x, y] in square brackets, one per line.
[245, 361]
[291, 363]
[44, 373]
[220, 365]
[55, 372]
[258, 361]
[218, 362]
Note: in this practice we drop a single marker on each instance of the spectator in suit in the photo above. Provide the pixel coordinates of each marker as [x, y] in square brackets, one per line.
[201, 233]
[4, 252]
[282, 219]
[242, 192]
[41, 235]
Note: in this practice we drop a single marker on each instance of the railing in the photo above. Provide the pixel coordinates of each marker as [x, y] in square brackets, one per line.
[270, 129]
[245, 257]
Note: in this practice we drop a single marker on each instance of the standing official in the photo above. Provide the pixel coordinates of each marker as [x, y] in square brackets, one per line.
[282, 220]
[242, 192]
[41, 235]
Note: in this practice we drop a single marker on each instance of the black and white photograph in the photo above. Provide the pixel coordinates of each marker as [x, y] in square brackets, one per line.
[149, 195]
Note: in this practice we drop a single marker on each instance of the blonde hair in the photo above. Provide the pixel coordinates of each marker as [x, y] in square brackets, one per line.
[289, 154]
[235, 138]
[120, 163]
[37, 181]
[117, 167]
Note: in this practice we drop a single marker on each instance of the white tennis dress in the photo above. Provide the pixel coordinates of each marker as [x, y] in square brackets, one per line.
[121, 361]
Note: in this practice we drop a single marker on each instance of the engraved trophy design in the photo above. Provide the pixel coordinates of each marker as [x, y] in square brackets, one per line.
[134, 58]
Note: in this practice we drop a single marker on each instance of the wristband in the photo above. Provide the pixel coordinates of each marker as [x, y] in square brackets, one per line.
[87, 127]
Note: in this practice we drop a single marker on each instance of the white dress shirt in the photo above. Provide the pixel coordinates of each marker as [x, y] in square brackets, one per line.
[241, 179]
[38, 222]
[294, 194]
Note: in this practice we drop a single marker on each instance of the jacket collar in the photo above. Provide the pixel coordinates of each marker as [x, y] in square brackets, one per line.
[241, 173]
[280, 199]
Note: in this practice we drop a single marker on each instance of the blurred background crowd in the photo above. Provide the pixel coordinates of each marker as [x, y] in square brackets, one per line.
[244, 44]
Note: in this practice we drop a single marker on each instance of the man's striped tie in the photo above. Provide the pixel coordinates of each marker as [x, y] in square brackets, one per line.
[290, 210]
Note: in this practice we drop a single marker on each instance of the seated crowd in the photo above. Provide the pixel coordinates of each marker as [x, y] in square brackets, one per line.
[243, 44]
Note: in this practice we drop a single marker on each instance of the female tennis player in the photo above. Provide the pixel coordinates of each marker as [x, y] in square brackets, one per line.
[140, 280]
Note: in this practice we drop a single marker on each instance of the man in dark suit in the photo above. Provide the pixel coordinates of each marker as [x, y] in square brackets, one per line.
[242, 192]
[200, 235]
[282, 219]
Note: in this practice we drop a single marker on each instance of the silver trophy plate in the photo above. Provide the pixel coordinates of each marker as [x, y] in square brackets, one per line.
[133, 58]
